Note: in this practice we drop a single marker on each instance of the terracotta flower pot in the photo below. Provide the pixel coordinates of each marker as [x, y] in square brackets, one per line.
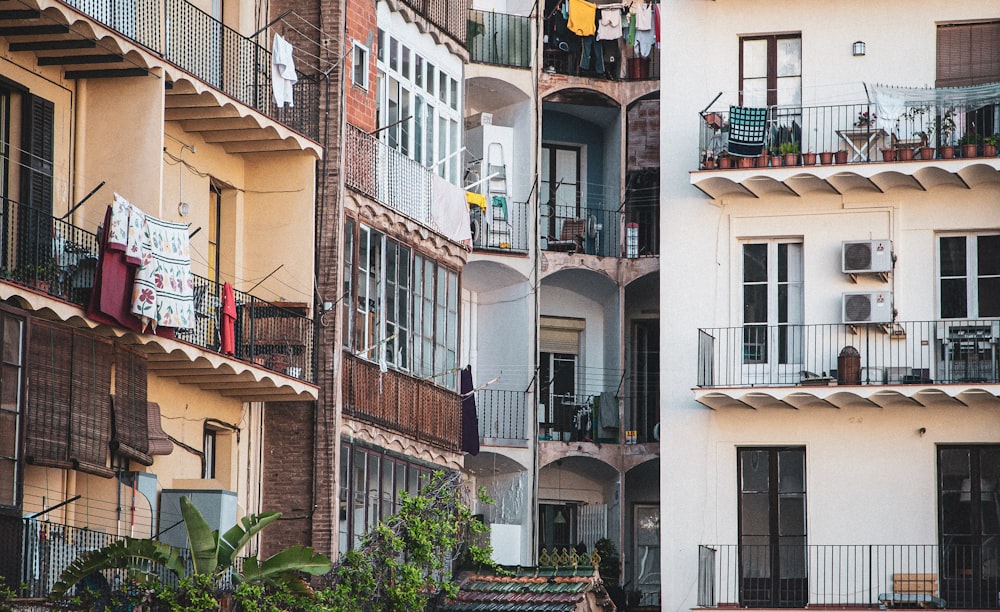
[791, 159]
[989, 150]
[905, 153]
[725, 162]
[889, 155]
[764, 160]
[927, 152]
[969, 150]
[841, 157]
[947, 152]
[809, 159]
[826, 158]
[746, 162]
[777, 161]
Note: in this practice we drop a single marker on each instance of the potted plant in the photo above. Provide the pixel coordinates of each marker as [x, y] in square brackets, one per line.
[990, 144]
[840, 157]
[746, 162]
[826, 158]
[888, 154]
[865, 119]
[970, 142]
[789, 150]
[809, 158]
[725, 161]
[764, 160]
[777, 158]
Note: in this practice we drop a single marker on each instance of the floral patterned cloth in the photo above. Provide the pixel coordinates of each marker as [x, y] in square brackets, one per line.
[128, 225]
[163, 292]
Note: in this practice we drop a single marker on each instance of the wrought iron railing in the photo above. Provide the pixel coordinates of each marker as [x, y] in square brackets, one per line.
[810, 135]
[642, 229]
[503, 228]
[856, 575]
[192, 39]
[387, 176]
[576, 229]
[502, 417]
[500, 39]
[448, 15]
[399, 402]
[55, 257]
[902, 352]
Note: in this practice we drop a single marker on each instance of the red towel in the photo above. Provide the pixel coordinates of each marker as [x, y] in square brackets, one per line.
[228, 320]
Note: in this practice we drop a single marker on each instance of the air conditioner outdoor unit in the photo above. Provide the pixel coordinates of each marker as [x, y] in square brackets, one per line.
[867, 307]
[860, 256]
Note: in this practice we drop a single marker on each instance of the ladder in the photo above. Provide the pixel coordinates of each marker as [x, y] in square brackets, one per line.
[497, 196]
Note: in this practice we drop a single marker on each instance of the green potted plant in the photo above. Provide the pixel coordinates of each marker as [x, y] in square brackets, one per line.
[789, 150]
[970, 142]
[990, 144]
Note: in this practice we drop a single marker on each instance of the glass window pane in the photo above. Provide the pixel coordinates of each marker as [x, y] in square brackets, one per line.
[755, 92]
[953, 256]
[418, 70]
[755, 304]
[394, 54]
[755, 470]
[404, 67]
[754, 59]
[791, 472]
[754, 263]
[789, 57]
[380, 53]
[791, 515]
[954, 303]
[988, 253]
[12, 340]
[989, 297]
[755, 518]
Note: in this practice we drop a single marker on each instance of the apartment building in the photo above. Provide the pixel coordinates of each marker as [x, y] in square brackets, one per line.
[159, 123]
[829, 424]
[561, 289]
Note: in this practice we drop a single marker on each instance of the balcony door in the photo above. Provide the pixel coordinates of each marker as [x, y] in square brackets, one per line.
[772, 312]
[772, 523]
[561, 191]
[969, 525]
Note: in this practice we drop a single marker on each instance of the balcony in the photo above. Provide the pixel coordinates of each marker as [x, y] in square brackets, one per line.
[501, 228]
[872, 576]
[587, 231]
[920, 150]
[449, 16]
[56, 258]
[401, 403]
[376, 170]
[502, 417]
[193, 40]
[563, 52]
[500, 39]
[916, 363]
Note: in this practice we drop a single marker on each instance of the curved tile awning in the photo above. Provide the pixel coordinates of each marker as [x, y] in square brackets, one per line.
[854, 396]
[876, 177]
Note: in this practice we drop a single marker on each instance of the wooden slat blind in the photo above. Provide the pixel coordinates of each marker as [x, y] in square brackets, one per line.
[131, 424]
[968, 54]
[90, 404]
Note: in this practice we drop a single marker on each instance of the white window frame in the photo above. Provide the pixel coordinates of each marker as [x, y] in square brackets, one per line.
[360, 56]
[972, 275]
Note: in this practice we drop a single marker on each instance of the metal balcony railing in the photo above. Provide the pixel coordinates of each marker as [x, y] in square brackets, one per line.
[853, 575]
[37, 552]
[500, 39]
[502, 417]
[903, 352]
[448, 15]
[57, 258]
[800, 136]
[580, 229]
[387, 176]
[399, 402]
[192, 39]
[564, 53]
[503, 228]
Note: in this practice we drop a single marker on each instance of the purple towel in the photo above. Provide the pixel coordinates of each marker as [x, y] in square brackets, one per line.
[470, 419]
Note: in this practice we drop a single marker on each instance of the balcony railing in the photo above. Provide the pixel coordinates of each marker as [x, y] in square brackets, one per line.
[387, 176]
[564, 53]
[192, 39]
[36, 553]
[57, 258]
[448, 15]
[503, 228]
[502, 417]
[399, 402]
[794, 134]
[575, 229]
[500, 39]
[862, 576]
[904, 352]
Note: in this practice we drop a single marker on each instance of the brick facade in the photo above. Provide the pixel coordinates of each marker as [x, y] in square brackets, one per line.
[287, 474]
[362, 26]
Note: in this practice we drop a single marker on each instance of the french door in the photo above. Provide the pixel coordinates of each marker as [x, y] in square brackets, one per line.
[772, 312]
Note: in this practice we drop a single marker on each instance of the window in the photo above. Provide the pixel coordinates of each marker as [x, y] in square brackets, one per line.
[772, 306]
[771, 71]
[418, 108]
[12, 328]
[772, 526]
[405, 306]
[969, 274]
[561, 191]
[969, 54]
[359, 65]
[209, 449]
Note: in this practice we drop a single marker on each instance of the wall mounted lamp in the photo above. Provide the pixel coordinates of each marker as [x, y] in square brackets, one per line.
[859, 48]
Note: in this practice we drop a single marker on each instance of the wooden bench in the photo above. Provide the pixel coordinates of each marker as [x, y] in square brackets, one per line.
[912, 591]
[570, 237]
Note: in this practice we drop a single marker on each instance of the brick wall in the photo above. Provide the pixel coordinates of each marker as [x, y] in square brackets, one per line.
[287, 474]
[361, 25]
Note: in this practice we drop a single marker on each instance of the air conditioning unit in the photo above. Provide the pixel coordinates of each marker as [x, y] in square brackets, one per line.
[867, 307]
[861, 256]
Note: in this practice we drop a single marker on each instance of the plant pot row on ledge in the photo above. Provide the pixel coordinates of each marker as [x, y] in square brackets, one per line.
[725, 161]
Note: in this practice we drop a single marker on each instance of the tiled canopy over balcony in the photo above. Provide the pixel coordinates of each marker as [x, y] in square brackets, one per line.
[903, 138]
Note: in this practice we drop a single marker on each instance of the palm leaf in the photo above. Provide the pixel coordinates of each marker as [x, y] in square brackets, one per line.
[203, 541]
[239, 534]
[285, 564]
[131, 554]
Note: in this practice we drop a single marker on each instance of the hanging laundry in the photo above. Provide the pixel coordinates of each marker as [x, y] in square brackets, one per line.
[470, 416]
[582, 17]
[656, 23]
[631, 30]
[164, 290]
[643, 17]
[283, 75]
[610, 26]
[644, 40]
[228, 332]
[450, 211]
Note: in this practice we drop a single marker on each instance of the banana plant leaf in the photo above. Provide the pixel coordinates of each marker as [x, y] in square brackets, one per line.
[131, 554]
[240, 534]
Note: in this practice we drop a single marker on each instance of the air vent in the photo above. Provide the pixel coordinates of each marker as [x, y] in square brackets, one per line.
[867, 307]
[867, 256]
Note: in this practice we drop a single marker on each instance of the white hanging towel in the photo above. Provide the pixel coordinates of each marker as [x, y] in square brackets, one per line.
[643, 17]
[610, 26]
[283, 74]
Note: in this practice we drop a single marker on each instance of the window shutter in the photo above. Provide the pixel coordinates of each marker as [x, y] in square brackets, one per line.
[90, 424]
[968, 54]
[560, 335]
[49, 373]
[38, 124]
[131, 429]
